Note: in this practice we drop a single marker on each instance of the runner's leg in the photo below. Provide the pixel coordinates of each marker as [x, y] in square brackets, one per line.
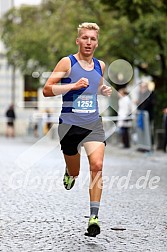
[95, 152]
[73, 164]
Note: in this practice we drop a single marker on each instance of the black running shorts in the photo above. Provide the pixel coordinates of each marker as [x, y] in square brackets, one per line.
[72, 137]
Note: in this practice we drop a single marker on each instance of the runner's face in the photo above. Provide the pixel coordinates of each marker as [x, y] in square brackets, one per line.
[87, 42]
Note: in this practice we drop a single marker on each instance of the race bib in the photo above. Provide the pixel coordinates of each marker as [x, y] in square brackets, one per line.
[84, 103]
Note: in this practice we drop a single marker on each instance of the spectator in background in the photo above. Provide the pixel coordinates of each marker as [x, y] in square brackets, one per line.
[124, 111]
[47, 119]
[145, 103]
[146, 100]
[48, 124]
[165, 128]
[35, 121]
[10, 115]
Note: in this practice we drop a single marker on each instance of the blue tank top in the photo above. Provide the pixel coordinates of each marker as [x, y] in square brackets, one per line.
[81, 106]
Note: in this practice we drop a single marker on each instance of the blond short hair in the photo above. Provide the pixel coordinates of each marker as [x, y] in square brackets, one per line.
[89, 26]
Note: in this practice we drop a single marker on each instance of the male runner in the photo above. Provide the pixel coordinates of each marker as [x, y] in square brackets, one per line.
[81, 78]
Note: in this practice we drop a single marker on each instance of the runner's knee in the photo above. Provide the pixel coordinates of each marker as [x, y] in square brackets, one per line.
[96, 166]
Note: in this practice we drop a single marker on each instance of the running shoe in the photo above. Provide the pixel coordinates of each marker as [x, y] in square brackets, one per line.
[68, 181]
[93, 227]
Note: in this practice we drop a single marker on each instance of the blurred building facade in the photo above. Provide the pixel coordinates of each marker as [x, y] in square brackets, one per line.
[18, 90]
[11, 80]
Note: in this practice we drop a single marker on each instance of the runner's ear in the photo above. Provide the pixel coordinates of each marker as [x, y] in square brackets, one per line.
[77, 41]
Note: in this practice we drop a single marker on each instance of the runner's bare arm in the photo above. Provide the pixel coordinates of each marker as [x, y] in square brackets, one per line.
[61, 70]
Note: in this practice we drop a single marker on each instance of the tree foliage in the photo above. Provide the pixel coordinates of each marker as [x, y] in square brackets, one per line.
[143, 42]
[36, 37]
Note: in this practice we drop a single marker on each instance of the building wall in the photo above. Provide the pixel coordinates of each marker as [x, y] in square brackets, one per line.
[6, 89]
[6, 84]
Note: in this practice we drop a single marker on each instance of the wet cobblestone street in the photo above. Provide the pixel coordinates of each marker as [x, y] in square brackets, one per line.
[38, 214]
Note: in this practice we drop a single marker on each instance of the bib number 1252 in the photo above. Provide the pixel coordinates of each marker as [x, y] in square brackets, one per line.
[84, 104]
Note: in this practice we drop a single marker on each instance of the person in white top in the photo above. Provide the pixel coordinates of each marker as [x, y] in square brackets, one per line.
[124, 111]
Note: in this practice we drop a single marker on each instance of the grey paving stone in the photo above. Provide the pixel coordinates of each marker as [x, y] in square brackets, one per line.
[37, 214]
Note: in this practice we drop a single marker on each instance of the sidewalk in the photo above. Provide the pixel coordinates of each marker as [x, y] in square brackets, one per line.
[37, 214]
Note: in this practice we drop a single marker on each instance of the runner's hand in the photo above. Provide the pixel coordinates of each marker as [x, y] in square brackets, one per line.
[82, 83]
[106, 90]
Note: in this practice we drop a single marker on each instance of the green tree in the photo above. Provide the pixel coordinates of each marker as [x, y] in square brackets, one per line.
[141, 35]
[36, 37]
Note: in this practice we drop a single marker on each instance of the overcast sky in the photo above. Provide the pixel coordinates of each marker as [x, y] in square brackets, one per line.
[19, 2]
